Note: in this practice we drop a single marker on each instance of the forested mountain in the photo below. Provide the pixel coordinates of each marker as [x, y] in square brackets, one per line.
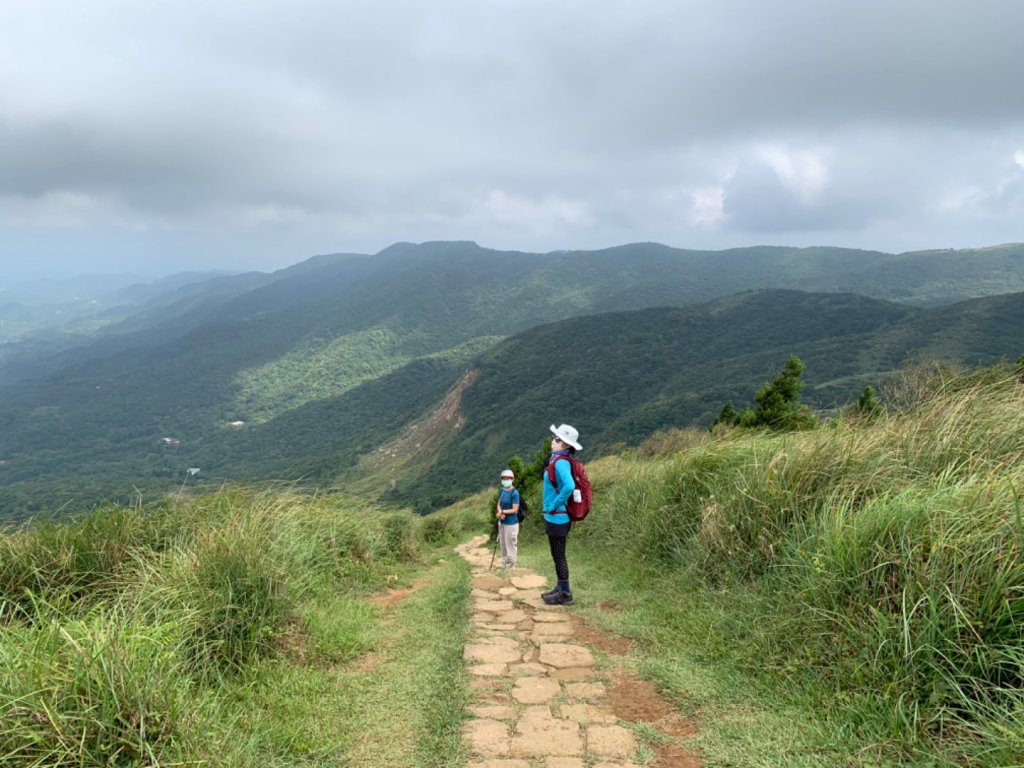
[619, 377]
[327, 370]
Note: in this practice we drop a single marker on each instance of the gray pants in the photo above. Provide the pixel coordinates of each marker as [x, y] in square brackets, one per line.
[508, 535]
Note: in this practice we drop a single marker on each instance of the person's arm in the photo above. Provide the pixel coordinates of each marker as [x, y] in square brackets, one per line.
[515, 503]
[566, 485]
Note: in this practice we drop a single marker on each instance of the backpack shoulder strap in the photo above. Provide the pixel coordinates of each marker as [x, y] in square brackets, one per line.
[551, 469]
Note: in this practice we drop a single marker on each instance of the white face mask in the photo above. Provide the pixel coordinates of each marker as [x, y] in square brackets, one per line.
[507, 483]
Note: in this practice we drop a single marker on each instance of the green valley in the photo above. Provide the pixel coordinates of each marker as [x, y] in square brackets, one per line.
[305, 375]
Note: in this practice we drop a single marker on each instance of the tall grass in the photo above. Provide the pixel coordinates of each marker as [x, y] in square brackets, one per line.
[881, 563]
[115, 627]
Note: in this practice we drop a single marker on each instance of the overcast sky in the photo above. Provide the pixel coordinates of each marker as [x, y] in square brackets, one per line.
[154, 136]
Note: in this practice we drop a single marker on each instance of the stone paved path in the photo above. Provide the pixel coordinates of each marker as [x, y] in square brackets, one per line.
[539, 699]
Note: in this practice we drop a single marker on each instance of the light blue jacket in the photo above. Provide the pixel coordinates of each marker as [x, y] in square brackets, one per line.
[555, 497]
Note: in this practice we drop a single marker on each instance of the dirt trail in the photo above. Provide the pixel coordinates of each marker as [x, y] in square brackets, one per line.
[539, 699]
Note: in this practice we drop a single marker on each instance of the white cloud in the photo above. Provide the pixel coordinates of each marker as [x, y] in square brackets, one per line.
[803, 172]
[962, 198]
[707, 206]
[1018, 157]
[541, 216]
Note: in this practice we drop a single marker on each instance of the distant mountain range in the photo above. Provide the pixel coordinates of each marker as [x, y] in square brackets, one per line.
[336, 369]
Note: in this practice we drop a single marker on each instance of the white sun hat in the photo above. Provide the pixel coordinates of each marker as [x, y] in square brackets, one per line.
[508, 473]
[568, 435]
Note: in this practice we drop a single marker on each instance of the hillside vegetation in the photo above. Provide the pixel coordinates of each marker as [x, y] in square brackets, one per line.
[130, 406]
[620, 377]
[871, 574]
[848, 595]
[229, 631]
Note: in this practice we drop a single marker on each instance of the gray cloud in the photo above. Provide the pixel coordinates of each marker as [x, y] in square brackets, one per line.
[220, 131]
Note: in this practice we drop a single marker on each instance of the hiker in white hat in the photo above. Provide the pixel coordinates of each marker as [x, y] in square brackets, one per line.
[565, 443]
[508, 519]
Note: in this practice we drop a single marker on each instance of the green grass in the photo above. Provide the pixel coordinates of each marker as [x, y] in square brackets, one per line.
[851, 595]
[217, 632]
[378, 687]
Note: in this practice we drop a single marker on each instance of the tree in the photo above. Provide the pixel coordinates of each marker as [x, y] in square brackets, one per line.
[778, 402]
[867, 405]
[729, 416]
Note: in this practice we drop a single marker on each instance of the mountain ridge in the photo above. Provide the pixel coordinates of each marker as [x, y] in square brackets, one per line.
[273, 349]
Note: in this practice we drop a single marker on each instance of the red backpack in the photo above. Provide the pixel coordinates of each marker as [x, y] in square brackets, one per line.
[576, 507]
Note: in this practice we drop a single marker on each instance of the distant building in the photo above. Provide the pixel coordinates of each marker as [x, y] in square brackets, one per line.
[193, 471]
[236, 423]
[171, 440]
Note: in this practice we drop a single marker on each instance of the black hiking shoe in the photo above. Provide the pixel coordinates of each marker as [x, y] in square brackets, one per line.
[552, 593]
[559, 598]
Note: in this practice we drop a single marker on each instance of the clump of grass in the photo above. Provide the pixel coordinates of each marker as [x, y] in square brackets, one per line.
[77, 560]
[97, 690]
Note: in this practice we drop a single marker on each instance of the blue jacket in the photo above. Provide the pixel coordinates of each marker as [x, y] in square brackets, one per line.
[555, 496]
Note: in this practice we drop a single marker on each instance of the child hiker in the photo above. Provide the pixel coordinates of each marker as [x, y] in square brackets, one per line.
[508, 520]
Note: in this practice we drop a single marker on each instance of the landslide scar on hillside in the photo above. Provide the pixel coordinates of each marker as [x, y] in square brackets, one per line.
[426, 436]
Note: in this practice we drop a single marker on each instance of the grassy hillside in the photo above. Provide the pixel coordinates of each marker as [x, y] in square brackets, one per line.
[868, 575]
[232, 630]
[844, 597]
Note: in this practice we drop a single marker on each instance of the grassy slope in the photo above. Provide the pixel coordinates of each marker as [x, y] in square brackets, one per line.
[848, 596]
[233, 630]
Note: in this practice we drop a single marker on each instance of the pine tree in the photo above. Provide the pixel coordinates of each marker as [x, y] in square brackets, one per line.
[729, 416]
[867, 405]
[778, 402]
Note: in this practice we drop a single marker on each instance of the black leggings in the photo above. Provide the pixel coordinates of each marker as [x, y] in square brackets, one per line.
[558, 555]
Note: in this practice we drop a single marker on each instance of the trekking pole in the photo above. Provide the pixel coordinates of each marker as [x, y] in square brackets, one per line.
[494, 552]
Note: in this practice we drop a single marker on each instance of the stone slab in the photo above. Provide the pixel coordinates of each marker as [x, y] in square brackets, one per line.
[528, 581]
[548, 617]
[564, 656]
[562, 628]
[538, 734]
[488, 582]
[535, 690]
[610, 741]
[491, 654]
[490, 738]
[494, 711]
[489, 670]
[586, 714]
[528, 669]
[513, 617]
[573, 674]
[493, 606]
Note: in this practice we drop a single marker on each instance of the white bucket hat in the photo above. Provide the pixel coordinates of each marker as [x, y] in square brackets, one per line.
[568, 435]
[508, 473]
